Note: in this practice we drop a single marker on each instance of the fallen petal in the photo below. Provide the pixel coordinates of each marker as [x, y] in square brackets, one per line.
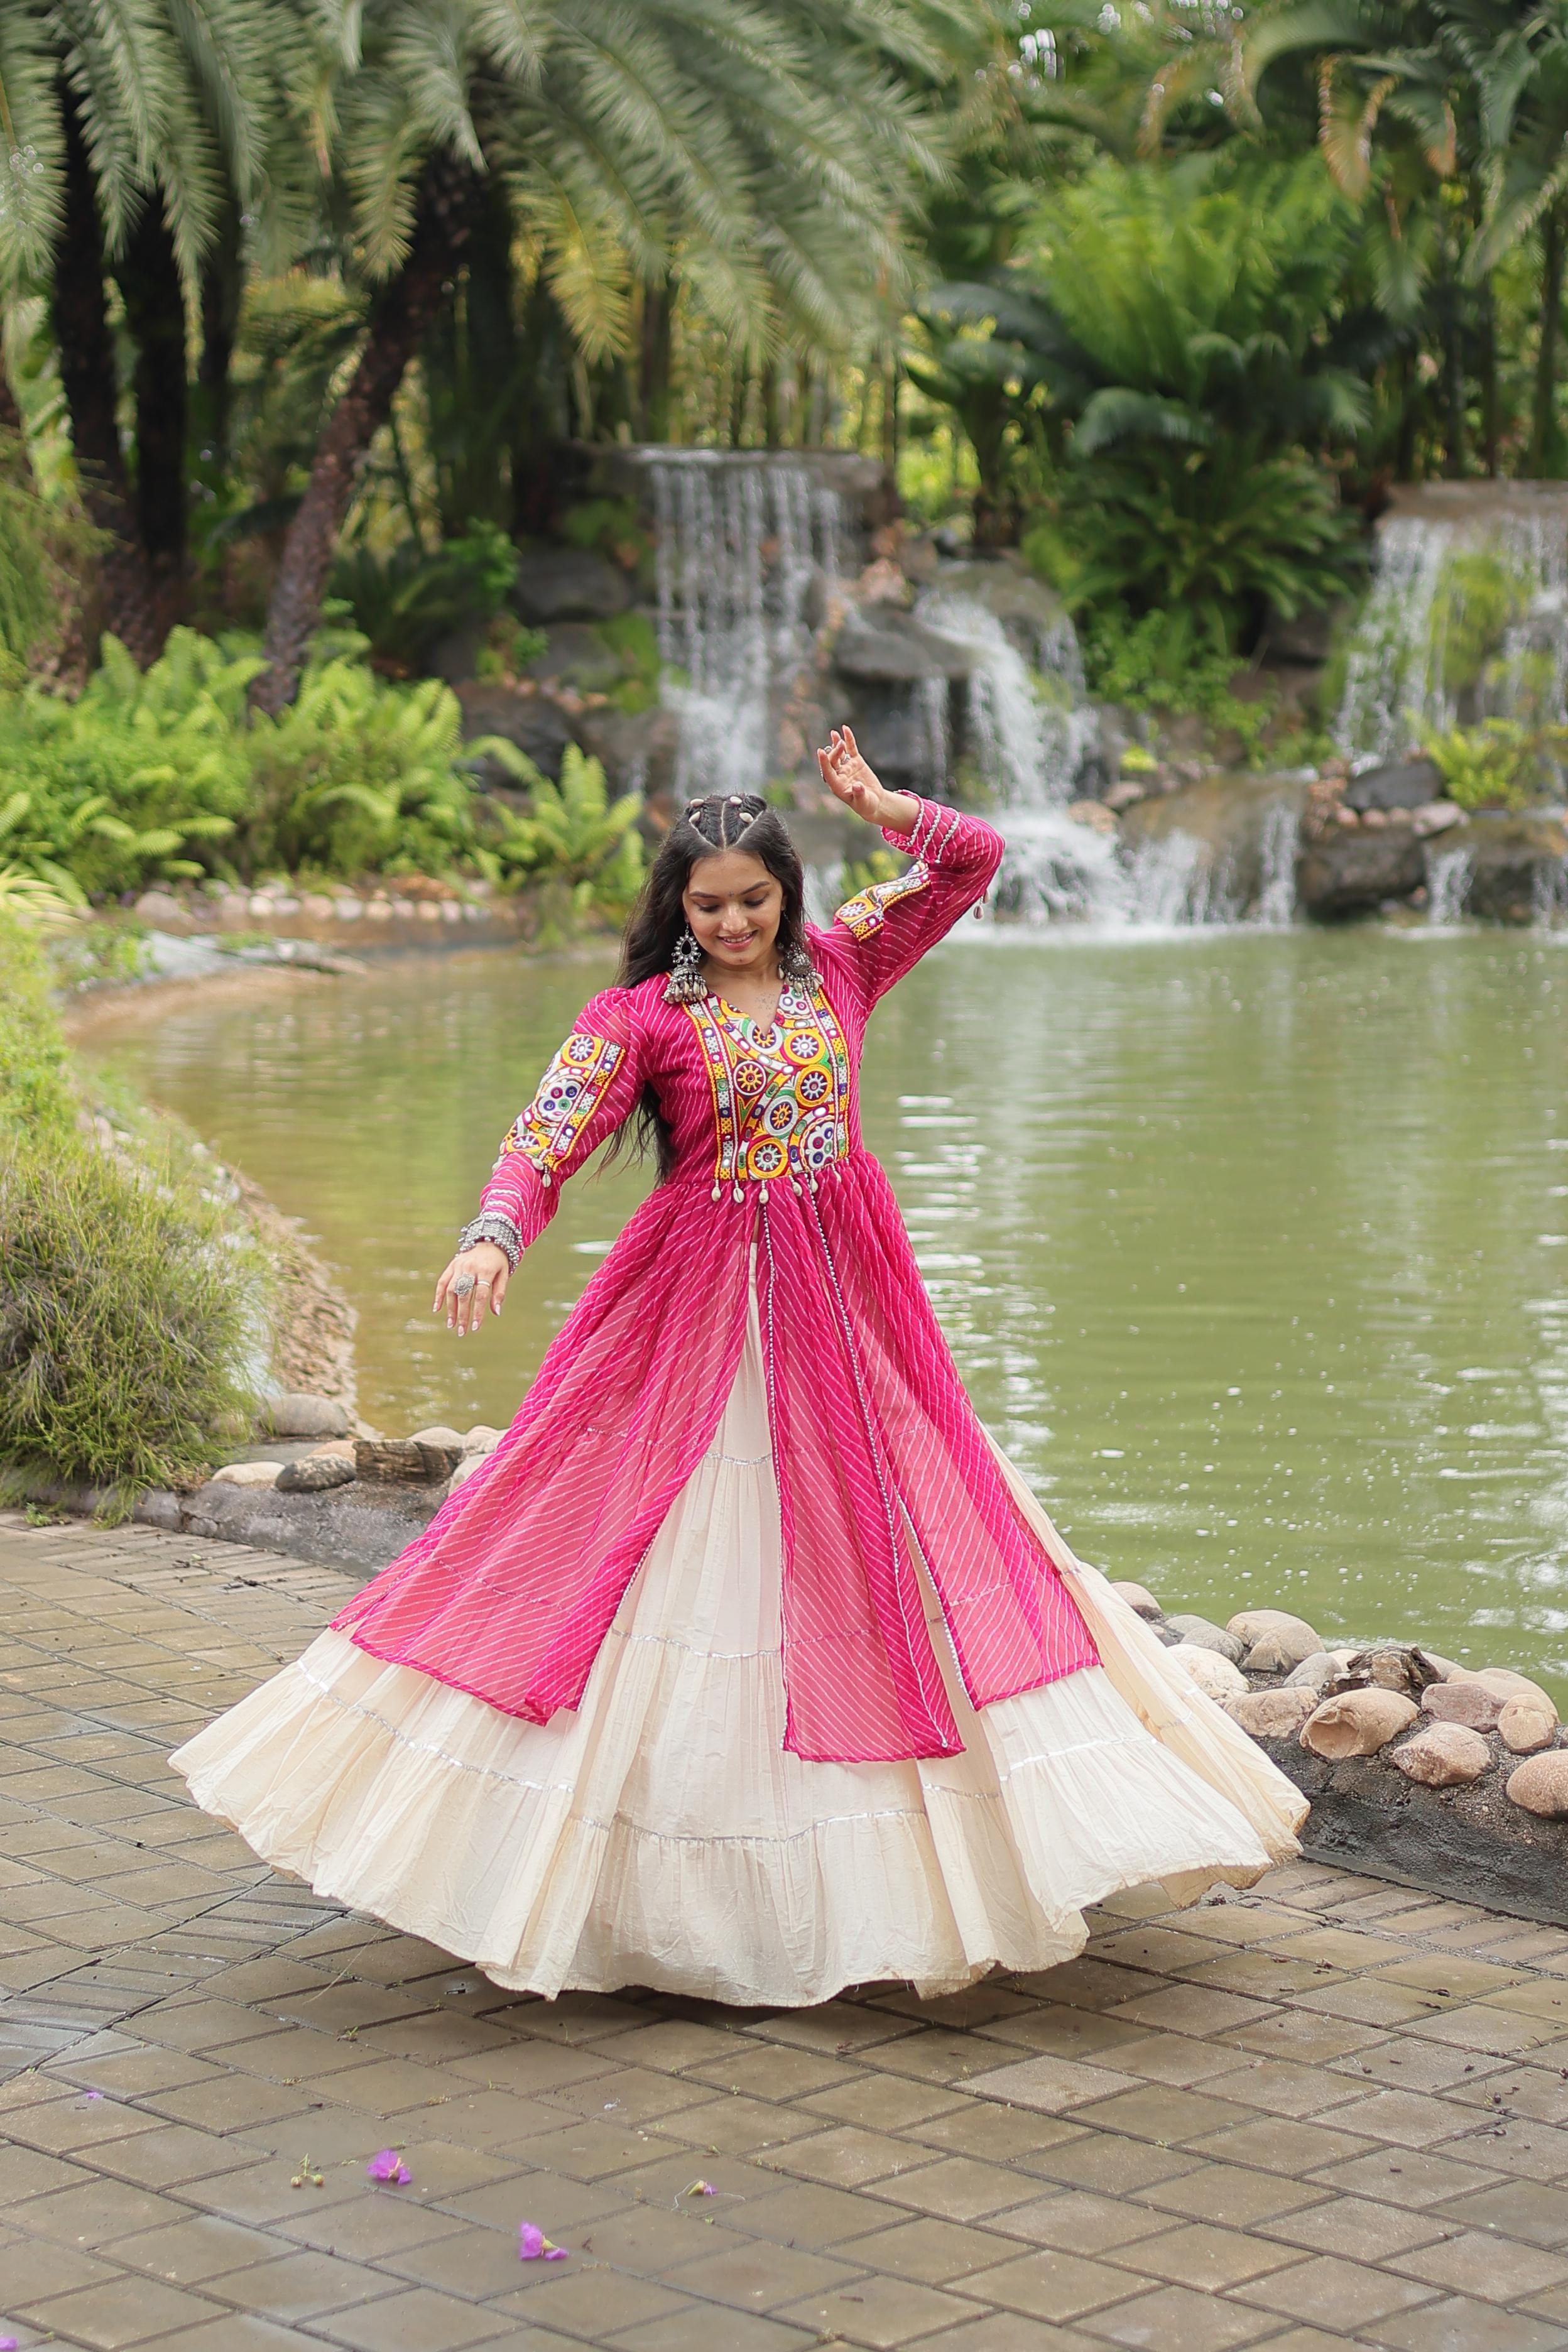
[388, 2166]
[534, 2246]
[700, 2188]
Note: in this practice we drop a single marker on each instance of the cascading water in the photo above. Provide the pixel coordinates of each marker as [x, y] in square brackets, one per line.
[737, 545]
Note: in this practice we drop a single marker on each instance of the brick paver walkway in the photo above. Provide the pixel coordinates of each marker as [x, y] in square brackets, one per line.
[1331, 2111]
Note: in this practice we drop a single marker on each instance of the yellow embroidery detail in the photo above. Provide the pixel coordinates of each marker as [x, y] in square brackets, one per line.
[867, 911]
[781, 1094]
[569, 1093]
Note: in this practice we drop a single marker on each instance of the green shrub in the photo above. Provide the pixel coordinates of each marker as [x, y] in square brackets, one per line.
[1501, 764]
[1135, 663]
[123, 1316]
[574, 840]
[36, 1095]
[407, 600]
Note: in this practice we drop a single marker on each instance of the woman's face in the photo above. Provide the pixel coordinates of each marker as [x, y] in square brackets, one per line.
[733, 906]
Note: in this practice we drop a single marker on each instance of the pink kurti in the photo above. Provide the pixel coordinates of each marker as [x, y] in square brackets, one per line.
[510, 1592]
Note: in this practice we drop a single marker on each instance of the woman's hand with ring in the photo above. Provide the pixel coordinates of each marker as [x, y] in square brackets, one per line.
[474, 1279]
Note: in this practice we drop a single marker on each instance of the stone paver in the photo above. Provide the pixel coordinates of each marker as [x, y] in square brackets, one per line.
[1329, 2111]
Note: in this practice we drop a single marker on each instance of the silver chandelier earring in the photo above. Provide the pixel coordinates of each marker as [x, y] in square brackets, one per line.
[686, 985]
[797, 967]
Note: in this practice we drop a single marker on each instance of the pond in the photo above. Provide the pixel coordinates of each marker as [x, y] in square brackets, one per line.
[1248, 1244]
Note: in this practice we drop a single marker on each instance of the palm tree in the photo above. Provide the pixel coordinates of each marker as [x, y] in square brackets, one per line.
[763, 152]
[121, 121]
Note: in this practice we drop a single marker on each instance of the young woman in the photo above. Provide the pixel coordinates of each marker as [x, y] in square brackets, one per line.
[746, 1666]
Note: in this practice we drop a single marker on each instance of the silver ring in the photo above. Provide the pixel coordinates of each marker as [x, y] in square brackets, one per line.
[462, 1286]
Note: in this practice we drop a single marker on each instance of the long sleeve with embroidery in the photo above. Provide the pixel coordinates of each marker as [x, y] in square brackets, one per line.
[591, 1086]
[892, 924]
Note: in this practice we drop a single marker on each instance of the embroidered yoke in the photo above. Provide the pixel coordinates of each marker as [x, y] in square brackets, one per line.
[509, 1593]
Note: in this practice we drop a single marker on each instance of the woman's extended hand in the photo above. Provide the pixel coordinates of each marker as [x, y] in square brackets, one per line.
[847, 775]
[474, 1279]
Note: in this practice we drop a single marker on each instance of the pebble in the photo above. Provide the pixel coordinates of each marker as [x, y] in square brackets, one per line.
[248, 1474]
[1527, 1722]
[1541, 1785]
[1212, 1674]
[1277, 1648]
[1272, 1714]
[1137, 1596]
[1202, 1635]
[1468, 1703]
[316, 1474]
[1444, 1755]
[297, 1413]
[1357, 1723]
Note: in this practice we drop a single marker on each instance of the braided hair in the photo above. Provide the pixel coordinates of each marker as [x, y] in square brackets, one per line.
[705, 828]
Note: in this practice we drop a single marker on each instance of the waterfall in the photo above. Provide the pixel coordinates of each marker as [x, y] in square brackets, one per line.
[737, 540]
[1277, 848]
[1467, 618]
[1029, 741]
[1448, 884]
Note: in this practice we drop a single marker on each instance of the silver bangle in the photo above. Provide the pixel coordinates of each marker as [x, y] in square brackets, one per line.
[492, 1226]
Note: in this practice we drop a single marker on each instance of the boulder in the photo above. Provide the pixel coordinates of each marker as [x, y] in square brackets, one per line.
[248, 1474]
[1444, 1755]
[577, 657]
[1508, 1685]
[1354, 872]
[298, 1415]
[1403, 784]
[1272, 1714]
[1512, 856]
[531, 721]
[1277, 1648]
[1313, 1672]
[636, 749]
[1215, 1675]
[1527, 1723]
[1202, 1635]
[340, 1449]
[1356, 1723]
[465, 1471]
[893, 648]
[1393, 1665]
[569, 584]
[481, 1438]
[392, 1462]
[441, 1449]
[315, 1475]
[1541, 1785]
[1468, 1703]
[1248, 1623]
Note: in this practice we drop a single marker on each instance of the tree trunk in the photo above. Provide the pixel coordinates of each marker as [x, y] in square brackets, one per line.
[890, 406]
[1453, 386]
[154, 300]
[1491, 406]
[398, 318]
[1543, 416]
[86, 350]
[222, 289]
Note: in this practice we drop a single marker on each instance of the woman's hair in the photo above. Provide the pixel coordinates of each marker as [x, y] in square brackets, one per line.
[705, 828]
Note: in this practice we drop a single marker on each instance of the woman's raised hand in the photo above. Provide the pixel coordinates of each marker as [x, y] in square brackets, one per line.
[474, 1279]
[847, 775]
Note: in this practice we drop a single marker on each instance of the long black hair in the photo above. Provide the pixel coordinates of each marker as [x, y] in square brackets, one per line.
[705, 828]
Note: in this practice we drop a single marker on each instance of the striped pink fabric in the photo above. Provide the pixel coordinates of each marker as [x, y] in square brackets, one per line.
[509, 1593]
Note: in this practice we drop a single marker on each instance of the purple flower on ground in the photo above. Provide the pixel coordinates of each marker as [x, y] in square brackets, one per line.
[92, 2095]
[388, 2166]
[534, 2246]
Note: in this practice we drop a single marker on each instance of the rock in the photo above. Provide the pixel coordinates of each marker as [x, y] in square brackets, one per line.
[894, 649]
[442, 1450]
[1541, 1785]
[577, 656]
[1437, 816]
[1277, 1648]
[481, 1438]
[1216, 826]
[1313, 1672]
[248, 1474]
[1214, 1676]
[1511, 854]
[1031, 613]
[1444, 1756]
[315, 1475]
[1137, 1596]
[1405, 784]
[465, 1471]
[639, 750]
[392, 1462]
[531, 721]
[296, 1415]
[1356, 1723]
[163, 910]
[1468, 1703]
[1527, 1724]
[1272, 1714]
[339, 1449]
[1202, 1635]
[1248, 1623]
[1508, 1685]
[1354, 871]
[569, 584]
[1393, 1665]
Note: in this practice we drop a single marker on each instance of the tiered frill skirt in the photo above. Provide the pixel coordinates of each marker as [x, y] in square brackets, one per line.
[661, 1836]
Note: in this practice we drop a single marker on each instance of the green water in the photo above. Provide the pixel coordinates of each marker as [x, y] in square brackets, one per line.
[1247, 1245]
